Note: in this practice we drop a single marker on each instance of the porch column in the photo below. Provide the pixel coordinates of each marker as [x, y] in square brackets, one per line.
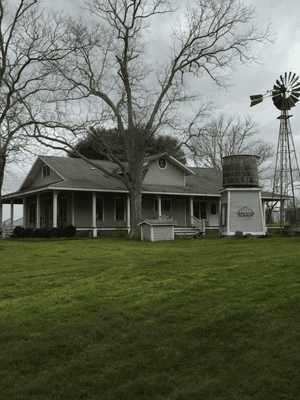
[159, 205]
[184, 208]
[220, 212]
[73, 210]
[192, 208]
[94, 216]
[38, 210]
[1, 220]
[128, 212]
[24, 213]
[12, 214]
[228, 213]
[55, 196]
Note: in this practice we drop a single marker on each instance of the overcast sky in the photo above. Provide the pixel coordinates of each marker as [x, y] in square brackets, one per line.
[283, 56]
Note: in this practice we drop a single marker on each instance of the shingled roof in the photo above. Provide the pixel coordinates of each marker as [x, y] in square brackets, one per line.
[77, 174]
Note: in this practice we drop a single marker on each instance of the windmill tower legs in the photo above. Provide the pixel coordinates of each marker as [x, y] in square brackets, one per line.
[286, 170]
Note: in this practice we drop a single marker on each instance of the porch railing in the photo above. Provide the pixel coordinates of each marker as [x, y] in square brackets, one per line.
[165, 217]
[198, 223]
[7, 231]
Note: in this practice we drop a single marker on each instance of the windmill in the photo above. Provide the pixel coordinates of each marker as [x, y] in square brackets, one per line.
[285, 94]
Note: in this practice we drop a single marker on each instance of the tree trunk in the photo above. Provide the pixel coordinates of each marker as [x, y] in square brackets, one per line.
[135, 211]
[136, 153]
[2, 166]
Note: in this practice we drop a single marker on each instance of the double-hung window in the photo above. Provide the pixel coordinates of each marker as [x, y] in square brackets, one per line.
[100, 208]
[45, 171]
[166, 204]
[119, 209]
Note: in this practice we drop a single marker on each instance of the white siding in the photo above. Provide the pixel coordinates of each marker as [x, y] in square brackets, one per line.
[40, 181]
[163, 233]
[146, 232]
[251, 200]
[171, 175]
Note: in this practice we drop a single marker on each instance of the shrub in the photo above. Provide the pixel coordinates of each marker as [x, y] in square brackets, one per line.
[46, 233]
[238, 234]
[18, 232]
[28, 232]
[38, 233]
[70, 231]
[53, 232]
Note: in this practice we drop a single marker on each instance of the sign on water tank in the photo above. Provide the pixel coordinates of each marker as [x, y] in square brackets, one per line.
[245, 212]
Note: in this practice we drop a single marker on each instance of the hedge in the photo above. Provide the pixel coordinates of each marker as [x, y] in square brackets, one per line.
[46, 233]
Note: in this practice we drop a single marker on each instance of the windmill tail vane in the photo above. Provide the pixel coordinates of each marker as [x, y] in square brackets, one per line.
[258, 98]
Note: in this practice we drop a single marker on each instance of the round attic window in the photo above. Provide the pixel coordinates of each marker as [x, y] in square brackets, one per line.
[162, 163]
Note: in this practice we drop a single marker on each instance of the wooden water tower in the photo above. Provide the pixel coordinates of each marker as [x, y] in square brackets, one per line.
[241, 203]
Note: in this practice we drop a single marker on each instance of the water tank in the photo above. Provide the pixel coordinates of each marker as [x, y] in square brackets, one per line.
[240, 171]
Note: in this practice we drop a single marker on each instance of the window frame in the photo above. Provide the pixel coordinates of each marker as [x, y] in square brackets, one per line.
[166, 163]
[46, 171]
[224, 214]
[202, 211]
[213, 204]
[62, 209]
[32, 212]
[115, 209]
[162, 206]
[102, 198]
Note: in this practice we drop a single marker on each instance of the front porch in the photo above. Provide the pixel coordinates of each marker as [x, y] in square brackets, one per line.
[104, 212]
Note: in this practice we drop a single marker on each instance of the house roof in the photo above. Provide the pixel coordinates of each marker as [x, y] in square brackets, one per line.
[77, 174]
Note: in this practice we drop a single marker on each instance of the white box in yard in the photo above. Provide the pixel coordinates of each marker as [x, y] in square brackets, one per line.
[157, 229]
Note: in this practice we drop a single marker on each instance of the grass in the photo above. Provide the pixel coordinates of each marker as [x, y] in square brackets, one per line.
[116, 319]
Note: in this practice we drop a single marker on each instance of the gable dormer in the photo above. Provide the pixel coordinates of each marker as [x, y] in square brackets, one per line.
[41, 174]
[166, 170]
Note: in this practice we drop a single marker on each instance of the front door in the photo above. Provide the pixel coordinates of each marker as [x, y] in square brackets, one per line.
[213, 213]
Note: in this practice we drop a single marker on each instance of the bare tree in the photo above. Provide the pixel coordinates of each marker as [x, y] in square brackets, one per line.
[28, 39]
[115, 81]
[229, 136]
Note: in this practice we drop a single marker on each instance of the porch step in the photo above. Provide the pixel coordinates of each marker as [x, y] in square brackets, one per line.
[8, 233]
[189, 230]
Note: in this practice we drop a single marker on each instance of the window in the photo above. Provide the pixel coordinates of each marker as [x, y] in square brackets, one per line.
[119, 209]
[100, 208]
[166, 204]
[46, 171]
[199, 209]
[213, 209]
[224, 214]
[63, 211]
[162, 163]
[32, 213]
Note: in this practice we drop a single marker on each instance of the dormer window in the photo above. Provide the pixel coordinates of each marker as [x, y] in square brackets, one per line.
[162, 163]
[46, 171]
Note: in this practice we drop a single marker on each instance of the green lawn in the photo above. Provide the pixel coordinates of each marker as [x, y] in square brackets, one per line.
[117, 319]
